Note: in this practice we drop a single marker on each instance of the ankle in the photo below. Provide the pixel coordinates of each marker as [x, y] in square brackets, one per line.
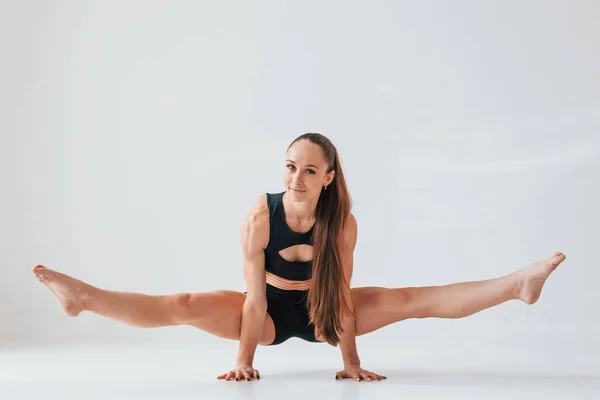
[516, 286]
[88, 294]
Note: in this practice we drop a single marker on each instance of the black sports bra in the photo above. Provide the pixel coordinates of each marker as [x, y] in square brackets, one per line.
[281, 237]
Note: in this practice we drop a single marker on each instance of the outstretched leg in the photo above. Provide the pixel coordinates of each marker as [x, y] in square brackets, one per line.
[376, 307]
[218, 312]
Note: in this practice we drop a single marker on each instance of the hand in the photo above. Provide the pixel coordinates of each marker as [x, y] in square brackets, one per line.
[241, 372]
[354, 371]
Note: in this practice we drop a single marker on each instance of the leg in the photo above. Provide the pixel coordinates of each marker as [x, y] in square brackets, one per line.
[218, 312]
[377, 307]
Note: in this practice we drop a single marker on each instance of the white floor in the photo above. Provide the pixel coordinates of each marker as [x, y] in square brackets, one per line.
[296, 371]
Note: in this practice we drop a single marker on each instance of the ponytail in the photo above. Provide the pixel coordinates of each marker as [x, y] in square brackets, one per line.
[326, 300]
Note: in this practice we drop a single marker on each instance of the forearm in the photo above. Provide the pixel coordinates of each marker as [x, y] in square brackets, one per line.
[348, 341]
[253, 320]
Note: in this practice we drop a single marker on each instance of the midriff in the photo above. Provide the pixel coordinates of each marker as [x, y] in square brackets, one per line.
[286, 284]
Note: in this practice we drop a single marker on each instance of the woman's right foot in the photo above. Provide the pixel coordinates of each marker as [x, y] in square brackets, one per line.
[71, 293]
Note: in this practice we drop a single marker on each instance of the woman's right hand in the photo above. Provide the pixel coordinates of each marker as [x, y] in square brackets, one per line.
[241, 372]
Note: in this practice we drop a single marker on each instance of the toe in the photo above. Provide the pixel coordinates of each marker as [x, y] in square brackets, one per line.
[558, 258]
[42, 272]
[38, 268]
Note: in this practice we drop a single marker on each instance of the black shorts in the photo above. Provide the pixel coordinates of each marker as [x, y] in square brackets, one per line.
[289, 312]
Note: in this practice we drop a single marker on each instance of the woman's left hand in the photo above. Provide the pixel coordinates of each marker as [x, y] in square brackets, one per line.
[357, 373]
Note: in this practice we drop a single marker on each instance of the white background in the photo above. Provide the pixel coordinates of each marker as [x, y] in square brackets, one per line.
[134, 137]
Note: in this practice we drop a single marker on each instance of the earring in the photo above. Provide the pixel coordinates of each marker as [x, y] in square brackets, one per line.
[325, 187]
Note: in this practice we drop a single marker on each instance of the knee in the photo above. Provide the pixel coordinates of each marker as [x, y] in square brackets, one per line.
[411, 304]
[182, 305]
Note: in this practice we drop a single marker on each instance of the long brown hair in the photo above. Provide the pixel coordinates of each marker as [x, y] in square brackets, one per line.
[326, 297]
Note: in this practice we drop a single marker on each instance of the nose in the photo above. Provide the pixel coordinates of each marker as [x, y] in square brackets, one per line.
[297, 183]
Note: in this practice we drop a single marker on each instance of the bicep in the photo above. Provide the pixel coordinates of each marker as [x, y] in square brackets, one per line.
[349, 244]
[254, 275]
[253, 242]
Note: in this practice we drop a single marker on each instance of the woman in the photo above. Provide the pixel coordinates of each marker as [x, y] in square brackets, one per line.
[298, 260]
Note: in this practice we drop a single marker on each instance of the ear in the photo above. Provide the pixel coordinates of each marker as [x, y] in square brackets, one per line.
[329, 178]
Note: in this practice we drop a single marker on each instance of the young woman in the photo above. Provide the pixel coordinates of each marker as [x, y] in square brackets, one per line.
[297, 260]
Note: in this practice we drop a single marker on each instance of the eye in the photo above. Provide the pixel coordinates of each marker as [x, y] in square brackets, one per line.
[310, 171]
[290, 167]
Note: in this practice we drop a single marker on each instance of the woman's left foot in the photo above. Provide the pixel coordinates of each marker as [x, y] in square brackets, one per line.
[531, 279]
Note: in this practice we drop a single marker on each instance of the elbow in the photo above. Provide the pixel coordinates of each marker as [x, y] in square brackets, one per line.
[256, 305]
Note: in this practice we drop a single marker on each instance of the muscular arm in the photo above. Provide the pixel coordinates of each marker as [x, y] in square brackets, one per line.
[254, 238]
[352, 368]
[348, 338]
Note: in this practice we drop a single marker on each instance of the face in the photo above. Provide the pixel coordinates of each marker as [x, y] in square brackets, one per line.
[305, 171]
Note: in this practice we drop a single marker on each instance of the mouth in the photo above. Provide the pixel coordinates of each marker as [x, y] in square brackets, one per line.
[297, 190]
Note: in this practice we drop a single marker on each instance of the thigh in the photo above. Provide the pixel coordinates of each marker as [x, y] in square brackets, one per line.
[376, 307]
[220, 313]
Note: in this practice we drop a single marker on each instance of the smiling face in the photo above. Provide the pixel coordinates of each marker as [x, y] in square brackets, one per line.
[306, 171]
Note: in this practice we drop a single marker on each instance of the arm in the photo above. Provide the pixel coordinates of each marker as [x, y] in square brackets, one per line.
[348, 337]
[352, 368]
[254, 239]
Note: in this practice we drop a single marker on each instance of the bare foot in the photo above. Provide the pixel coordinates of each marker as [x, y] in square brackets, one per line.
[71, 293]
[531, 279]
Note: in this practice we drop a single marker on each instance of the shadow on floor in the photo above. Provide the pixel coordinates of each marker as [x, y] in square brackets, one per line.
[456, 377]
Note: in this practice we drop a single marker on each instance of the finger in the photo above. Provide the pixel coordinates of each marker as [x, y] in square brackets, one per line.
[365, 376]
[231, 376]
[223, 376]
[246, 376]
[373, 377]
[255, 374]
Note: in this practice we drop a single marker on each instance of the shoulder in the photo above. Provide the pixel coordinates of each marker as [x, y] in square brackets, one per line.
[351, 222]
[259, 208]
[255, 227]
[350, 231]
